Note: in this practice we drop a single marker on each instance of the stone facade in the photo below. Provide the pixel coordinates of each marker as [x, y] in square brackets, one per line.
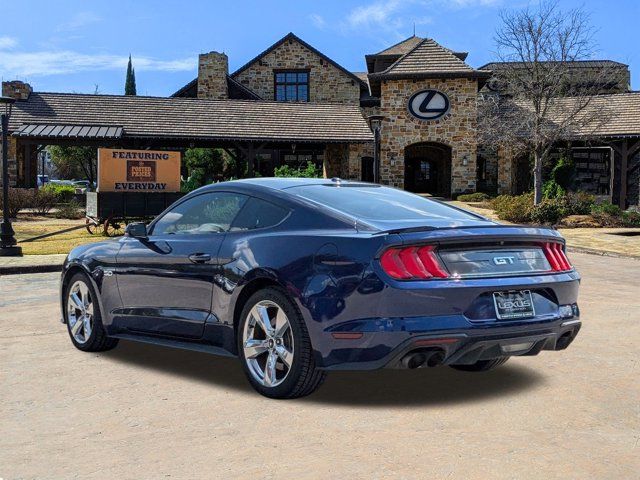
[489, 156]
[13, 167]
[457, 129]
[20, 91]
[16, 89]
[327, 83]
[213, 68]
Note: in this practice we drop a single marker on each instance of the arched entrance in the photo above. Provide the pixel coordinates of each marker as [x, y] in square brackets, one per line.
[427, 169]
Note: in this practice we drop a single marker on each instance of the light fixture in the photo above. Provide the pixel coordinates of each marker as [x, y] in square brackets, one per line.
[375, 122]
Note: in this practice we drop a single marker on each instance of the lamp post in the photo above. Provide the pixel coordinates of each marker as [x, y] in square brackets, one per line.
[376, 125]
[8, 242]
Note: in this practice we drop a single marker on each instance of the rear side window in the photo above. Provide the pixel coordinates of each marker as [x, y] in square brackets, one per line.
[379, 203]
[258, 213]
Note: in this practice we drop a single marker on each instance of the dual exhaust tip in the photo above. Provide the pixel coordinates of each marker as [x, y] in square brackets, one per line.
[422, 358]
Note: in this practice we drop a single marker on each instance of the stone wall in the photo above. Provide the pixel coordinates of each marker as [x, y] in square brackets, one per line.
[20, 91]
[13, 170]
[16, 89]
[490, 156]
[506, 170]
[327, 83]
[213, 68]
[457, 129]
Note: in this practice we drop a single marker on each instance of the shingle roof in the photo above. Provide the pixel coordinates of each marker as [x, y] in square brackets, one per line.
[402, 47]
[362, 76]
[609, 116]
[623, 118]
[494, 66]
[428, 58]
[69, 131]
[192, 118]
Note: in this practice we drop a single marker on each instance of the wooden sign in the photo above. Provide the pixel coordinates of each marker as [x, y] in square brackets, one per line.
[138, 170]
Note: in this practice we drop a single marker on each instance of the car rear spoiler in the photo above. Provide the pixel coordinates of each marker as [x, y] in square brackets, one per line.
[473, 234]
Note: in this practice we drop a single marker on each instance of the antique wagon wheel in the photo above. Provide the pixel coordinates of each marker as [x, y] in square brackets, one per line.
[94, 227]
[114, 227]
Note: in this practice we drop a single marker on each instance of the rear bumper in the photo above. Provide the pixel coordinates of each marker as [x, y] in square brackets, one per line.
[376, 350]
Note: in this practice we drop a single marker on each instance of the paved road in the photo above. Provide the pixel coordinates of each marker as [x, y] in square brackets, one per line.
[146, 412]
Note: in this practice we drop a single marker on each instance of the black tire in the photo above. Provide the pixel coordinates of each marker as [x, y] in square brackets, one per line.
[303, 377]
[98, 340]
[482, 365]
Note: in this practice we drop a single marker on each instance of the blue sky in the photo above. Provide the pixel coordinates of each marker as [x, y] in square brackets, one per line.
[72, 46]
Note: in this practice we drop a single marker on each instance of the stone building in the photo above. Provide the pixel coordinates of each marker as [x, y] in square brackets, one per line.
[291, 104]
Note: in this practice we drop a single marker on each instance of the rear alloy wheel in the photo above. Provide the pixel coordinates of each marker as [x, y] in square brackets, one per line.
[82, 315]
[274, 347]
[482, 365]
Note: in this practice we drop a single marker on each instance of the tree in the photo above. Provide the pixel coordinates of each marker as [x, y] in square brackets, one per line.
[130, 82]
[75, 162]
[541, 101]
[204, 165]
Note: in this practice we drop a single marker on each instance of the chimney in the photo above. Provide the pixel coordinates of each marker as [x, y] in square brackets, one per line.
[213, 68]
[16, 89]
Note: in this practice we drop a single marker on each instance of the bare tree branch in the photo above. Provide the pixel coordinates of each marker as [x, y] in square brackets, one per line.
[542, 97]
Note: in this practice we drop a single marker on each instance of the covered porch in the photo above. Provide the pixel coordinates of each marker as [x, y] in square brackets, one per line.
[259, 135]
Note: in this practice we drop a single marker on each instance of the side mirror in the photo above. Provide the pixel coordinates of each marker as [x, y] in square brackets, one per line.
[136, 230]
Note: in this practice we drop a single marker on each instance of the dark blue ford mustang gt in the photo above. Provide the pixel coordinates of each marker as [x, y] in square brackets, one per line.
[297, 277]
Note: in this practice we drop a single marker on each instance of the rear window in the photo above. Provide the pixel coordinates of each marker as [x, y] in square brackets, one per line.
[379, 203]
[258, 214]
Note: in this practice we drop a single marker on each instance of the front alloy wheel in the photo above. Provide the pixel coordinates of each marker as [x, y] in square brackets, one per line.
[80, 312]
[83, 316]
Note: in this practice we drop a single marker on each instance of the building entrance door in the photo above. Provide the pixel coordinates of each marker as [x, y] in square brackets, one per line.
[427, 169]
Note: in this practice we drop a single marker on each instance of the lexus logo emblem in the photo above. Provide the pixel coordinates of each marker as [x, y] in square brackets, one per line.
[428, 104]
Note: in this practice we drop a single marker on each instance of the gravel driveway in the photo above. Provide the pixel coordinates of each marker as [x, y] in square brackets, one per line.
[141, 411]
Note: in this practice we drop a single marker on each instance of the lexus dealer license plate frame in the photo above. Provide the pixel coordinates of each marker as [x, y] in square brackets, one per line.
[514, 305]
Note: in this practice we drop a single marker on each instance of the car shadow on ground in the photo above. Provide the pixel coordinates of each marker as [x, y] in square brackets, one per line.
[380, 388]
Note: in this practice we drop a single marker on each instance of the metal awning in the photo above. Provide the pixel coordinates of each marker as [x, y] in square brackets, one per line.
[69, 131]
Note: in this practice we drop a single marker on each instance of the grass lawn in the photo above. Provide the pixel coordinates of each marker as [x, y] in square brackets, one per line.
[27, 226]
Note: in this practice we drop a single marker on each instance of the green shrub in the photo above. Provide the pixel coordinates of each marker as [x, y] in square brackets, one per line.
[474, 197]
[579, 203]
[631, 218]
[19, 199]
[606, 208]
[63, 193]
[551, 189]
[44, 200]
[513, 208]
[70, 210]
[310, 171]
[607, 214]
[549, 211]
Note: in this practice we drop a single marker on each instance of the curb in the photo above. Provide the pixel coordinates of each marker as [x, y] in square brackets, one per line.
[601, 253]
[21, 269]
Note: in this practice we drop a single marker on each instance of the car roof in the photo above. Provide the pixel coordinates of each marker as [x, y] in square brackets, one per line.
[282, 183]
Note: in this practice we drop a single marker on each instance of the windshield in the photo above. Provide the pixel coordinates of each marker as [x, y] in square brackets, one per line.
[379, 203]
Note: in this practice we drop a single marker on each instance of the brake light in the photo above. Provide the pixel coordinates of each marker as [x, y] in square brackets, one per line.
[556, 257]
[412, 263]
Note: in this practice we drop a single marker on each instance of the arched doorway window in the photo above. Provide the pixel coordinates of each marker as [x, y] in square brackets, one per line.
[427, 169]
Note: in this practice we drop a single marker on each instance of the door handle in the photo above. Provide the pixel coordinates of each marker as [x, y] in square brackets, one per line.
[200, 257]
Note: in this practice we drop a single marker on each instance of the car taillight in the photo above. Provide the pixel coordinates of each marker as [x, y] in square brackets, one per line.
[412, 263]
[556, 257]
